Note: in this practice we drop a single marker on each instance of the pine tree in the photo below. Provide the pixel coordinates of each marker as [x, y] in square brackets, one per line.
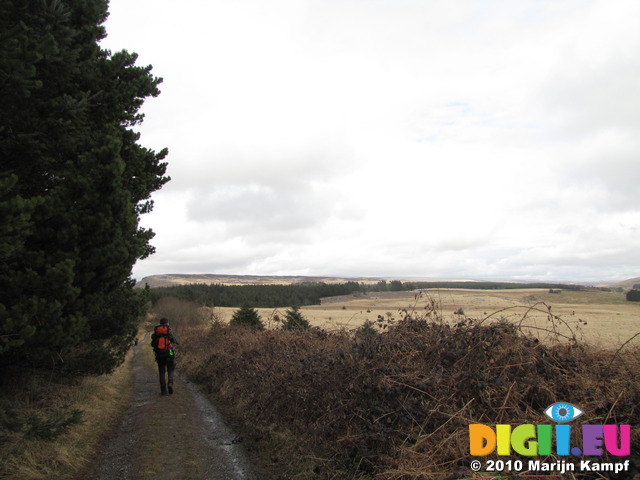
[248, 317]
[294, 320]
[75, 182]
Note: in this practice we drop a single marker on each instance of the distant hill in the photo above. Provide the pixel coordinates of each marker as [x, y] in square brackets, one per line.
[170, 280]
[626, 284]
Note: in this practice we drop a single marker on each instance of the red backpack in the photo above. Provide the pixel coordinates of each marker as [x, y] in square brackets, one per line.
[162, 341]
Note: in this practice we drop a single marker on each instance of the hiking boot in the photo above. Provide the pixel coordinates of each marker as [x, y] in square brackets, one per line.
[170, 389]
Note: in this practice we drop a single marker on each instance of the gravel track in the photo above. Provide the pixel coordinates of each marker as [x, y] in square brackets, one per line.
[180, 436]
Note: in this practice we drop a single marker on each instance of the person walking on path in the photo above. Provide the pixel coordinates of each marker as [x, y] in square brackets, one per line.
[162, 340]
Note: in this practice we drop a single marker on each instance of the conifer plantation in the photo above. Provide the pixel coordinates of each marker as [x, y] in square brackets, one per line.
[74, 182]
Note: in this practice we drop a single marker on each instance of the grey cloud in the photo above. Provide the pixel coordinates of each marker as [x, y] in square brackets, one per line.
[261, 158]
[591, 253]
[279, 166]
[273, 214]
[204, 264]
[606, 180]
[593, 104]
[593, 97]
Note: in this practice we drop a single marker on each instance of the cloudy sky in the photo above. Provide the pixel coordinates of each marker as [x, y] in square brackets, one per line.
[399, 138]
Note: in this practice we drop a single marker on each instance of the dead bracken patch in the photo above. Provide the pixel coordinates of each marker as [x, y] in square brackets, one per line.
[397, 405]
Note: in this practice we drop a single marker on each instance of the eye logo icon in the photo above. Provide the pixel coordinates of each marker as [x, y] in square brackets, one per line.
[562, 412]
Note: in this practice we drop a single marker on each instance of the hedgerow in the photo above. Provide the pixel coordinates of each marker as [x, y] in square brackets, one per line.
[397, 405]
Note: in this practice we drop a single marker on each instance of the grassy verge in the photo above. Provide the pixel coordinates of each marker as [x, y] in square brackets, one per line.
[43, 437]
[397, 405]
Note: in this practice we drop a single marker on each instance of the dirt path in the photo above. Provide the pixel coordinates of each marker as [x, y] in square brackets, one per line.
[179, 436]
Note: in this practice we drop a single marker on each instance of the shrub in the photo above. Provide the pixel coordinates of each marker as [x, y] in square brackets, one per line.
[42, 424]
[248, 317]
[367, 329]
[294, 320]
[633, 295]
[397, 405]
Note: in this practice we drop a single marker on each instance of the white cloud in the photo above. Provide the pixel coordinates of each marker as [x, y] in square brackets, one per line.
[477, 139]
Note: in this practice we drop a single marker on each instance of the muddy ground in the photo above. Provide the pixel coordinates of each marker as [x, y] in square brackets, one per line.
[179, 436]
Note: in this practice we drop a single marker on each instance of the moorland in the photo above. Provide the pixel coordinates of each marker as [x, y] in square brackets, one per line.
[385, 384]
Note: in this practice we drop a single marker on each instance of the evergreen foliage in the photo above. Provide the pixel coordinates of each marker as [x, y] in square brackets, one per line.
[294, 320]
[262, 296]
[247, 317]
[367, 329]
[633, 295]
[280, 296]
[73, 184]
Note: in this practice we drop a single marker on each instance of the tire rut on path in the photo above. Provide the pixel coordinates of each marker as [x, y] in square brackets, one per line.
[179, 436]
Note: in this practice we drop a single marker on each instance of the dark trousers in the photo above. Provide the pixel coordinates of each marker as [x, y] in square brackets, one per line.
[166, 366]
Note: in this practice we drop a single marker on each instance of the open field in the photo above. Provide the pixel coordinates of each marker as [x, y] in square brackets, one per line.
[610, 319]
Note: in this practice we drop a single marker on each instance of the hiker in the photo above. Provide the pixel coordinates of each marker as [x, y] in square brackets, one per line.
[162, 341]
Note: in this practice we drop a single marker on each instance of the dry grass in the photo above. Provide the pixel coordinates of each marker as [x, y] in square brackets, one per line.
[100, 399]
[397, 406]
[603, 319]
